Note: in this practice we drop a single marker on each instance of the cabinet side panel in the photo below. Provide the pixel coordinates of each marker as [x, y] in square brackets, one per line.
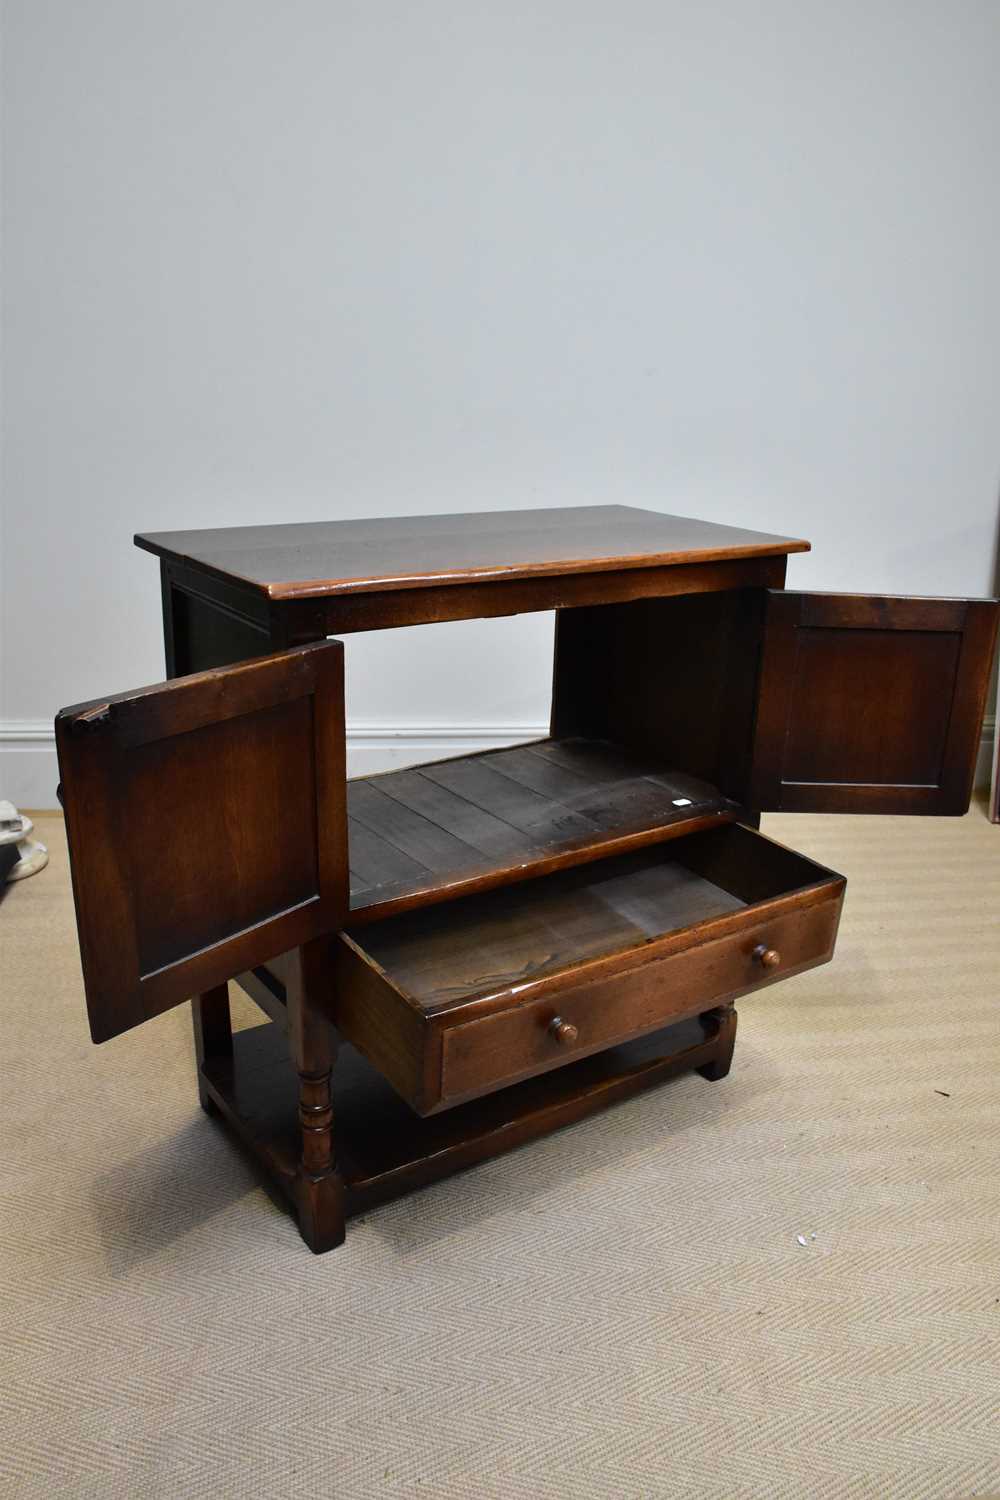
[203, 635]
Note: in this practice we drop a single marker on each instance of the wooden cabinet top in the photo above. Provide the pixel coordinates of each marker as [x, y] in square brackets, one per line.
[317, 558]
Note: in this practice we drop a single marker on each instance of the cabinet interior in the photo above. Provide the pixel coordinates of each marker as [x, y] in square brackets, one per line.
[651, 722]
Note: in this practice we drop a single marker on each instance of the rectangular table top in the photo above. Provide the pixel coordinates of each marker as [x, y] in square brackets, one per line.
[316, 558]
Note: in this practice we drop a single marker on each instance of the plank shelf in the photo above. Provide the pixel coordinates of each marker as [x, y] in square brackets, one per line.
[474, 822]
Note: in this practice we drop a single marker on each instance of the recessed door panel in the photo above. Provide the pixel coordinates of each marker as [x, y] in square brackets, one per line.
[207, 827]
[871, 704]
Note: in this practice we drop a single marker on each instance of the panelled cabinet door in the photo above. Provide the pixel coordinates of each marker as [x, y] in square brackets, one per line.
[207, 828]
[871, 704]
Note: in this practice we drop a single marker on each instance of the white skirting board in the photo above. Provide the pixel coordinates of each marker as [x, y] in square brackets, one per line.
[28, 773]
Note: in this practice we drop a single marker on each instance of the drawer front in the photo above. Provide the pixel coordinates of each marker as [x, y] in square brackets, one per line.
[481, 1055]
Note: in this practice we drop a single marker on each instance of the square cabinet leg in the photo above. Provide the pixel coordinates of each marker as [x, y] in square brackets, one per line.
[213, 1037]
[320, 1207]
[723, 1021]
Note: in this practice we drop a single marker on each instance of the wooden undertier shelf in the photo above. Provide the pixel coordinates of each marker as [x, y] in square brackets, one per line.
[385, 1150]
[476, 821]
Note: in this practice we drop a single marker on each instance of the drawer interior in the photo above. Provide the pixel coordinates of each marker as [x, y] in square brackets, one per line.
[508, 938]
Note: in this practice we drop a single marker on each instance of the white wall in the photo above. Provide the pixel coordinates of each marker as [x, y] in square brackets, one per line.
[284, 261]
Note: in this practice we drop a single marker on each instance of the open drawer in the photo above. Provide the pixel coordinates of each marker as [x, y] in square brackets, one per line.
[454, 1002]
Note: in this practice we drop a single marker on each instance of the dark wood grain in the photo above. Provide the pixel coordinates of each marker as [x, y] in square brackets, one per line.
[213, 1034]
[207, 634]
[206, 825]
[490, 947]
[669, 678]
[573, 907]
[725, 1022]
[474, 822]
[384, 1150]
[871, 704]
[288, 561]
[457, 1001]
[342, 614]
[497, 1050]
[507, 938]
[319, 1186]
[195, 595]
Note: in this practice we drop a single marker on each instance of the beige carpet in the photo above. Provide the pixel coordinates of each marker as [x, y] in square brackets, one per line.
[622, 1310]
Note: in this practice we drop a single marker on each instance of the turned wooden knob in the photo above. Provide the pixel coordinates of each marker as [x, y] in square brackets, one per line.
[563, 1031]
[768, 958]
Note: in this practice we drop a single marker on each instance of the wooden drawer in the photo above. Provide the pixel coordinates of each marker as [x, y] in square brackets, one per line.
[453, 1002]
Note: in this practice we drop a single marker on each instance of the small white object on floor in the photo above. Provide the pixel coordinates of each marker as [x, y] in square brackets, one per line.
[14, 826]
[33, 857]
[802, 1239]
[14, 829]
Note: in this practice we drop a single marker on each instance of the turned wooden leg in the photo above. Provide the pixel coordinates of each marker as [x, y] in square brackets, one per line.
[723, 1021]
[318, 1188]
[213, 1034]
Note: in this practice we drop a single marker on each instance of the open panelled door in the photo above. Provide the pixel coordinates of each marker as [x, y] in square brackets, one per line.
[207, 827]
[871, 704]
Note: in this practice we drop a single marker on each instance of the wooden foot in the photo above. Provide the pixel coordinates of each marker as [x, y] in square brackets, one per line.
[213, 1036]
[319, 1189]
[320, 1205]
[723, 1021]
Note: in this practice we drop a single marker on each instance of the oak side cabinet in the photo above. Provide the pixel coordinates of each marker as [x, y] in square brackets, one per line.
[455, 958]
